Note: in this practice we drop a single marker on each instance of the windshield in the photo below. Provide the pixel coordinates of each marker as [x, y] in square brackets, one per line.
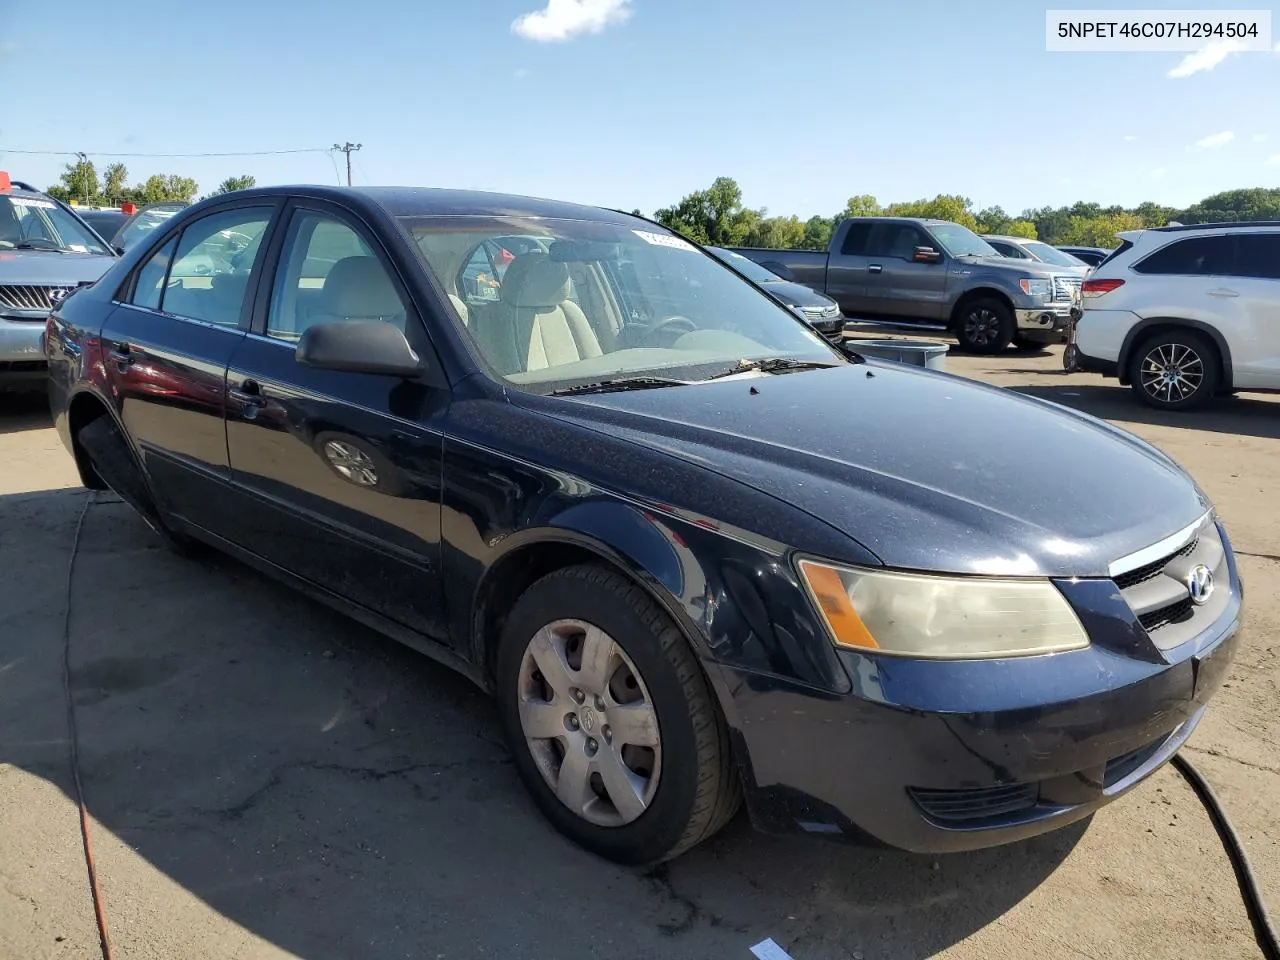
[745, 266]
[592, 301]
[1048, 254]
[146, 220]
[34, 223]
[961, 241]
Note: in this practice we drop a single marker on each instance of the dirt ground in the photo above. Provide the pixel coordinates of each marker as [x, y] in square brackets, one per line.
[267, 779]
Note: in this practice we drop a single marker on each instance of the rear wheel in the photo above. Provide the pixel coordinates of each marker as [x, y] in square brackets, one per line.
[613, 728]
[985, 325]
[115, 465]
[1175, 370]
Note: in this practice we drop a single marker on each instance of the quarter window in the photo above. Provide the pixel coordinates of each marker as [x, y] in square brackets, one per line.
[1193, 257]
[209, 276]
[329, 273]
[1258, 255]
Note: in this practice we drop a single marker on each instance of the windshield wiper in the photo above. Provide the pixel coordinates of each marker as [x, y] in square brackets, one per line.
[772, 365]
[620, 383]
[35, 243]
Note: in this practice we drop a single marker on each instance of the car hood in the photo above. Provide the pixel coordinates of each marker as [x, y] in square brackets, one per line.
[797, 294]
[49, 266]
[1024, 268]
[927, 471]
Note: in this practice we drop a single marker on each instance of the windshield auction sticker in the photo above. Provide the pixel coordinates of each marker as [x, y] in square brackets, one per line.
[663, 240]
[1168, 31]
[29, 202]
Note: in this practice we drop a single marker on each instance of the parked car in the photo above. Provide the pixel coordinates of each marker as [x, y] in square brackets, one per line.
[623, 514]
[1183, 313]
[932, 271]
[105, 221]
[46, 251]
[143, 220]
[1021, 248]
[1090, 256]
[820, 312]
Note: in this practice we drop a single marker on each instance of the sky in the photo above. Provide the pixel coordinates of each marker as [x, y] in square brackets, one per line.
[635, 103]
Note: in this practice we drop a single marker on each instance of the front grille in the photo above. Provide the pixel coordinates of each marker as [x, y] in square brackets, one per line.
[1159, 592]
[30, 296]
[973, 804]
[1066, 289]
[1123, 766]
[829, 312]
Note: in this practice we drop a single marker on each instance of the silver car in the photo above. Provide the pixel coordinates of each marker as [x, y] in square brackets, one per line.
[46, 252]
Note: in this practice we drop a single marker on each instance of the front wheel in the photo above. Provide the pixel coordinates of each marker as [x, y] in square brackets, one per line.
[1176, 370]
[612, 725]
[985, 325]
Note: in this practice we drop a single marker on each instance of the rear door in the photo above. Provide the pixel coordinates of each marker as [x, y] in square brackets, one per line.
[1256, 280]
[337, 474]
[847, 270]
[184, 311]
[898, 286]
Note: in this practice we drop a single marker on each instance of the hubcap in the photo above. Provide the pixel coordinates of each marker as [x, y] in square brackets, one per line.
[351, 463]
[589, 723]
[981, 326]
[1171, 372]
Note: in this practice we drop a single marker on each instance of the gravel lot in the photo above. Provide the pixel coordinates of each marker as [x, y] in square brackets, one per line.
[267, 779]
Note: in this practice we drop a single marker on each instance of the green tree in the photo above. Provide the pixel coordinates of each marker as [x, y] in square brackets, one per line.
[79, 182]
[817, 233]
[1021, 228]
[113, 186]
[1256, 203]
[862, 205]
[231, 184]
[165, 187]
[942, 207]
[1101, 230]
[713, 216]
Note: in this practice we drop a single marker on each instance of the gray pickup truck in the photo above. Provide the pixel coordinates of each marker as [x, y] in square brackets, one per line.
[934, 272]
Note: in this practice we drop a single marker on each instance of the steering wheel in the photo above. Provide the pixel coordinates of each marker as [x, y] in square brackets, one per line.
[672, 327]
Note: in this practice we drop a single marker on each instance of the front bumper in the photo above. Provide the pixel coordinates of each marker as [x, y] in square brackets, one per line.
[830, 327]
[22, 349]
[936, 756]
[1048, 323]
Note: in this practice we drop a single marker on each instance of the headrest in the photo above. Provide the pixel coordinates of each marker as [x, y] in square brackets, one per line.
[535, 280]
[360, 287]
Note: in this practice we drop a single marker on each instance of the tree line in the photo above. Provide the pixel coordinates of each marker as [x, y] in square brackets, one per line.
[717, 216]
[81, 183]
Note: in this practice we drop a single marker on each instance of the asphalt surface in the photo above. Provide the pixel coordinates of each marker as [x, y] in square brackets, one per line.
[268, 779]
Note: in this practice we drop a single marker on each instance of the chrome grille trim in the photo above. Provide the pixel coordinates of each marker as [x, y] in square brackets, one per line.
[30, 296]
[1066, 288]
[1159, 550]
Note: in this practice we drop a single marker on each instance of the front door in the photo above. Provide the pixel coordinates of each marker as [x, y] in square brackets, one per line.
[898, 286]
[167, 345]
[338, 474]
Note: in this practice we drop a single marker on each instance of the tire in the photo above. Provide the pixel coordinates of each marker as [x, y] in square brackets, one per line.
[984, 325]
[1184, 354]
[676, 792]
[117, 467]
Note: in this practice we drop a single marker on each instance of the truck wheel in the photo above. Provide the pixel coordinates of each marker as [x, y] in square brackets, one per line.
[612, 726]
[1175, 370]
[985, 325]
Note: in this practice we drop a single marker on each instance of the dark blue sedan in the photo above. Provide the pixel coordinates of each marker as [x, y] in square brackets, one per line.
[601, 485]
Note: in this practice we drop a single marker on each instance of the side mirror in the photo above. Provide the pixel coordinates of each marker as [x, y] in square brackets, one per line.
[359, 346]
[119, 249]
[780, 270]
[926, 255]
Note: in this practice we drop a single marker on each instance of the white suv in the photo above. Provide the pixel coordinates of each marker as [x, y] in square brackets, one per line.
[1184, 313]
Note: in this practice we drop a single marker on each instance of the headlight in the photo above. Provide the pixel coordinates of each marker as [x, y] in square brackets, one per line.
[941, 617]
[1037, 288]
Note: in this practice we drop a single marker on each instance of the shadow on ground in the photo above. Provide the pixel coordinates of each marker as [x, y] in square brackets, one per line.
[1240, 415]
[26, 410]
[338, 795]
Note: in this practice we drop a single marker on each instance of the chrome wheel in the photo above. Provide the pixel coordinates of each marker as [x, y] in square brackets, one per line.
[589, 722]
[1172, 372]
[982, 327]
[351, 463]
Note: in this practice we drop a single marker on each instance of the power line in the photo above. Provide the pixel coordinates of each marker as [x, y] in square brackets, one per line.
[110, 153]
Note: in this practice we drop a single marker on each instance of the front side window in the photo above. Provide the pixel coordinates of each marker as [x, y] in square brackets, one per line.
[209, 276]
[1047, 254]
[1192, 257]
[593, 300]
[961, 241]
[1008, 250]
[329, 273]
[34, 223]
[896, 240]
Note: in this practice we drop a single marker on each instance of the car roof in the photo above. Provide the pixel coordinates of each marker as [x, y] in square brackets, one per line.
[1001, 236]
[1224, 225]
[440, 202]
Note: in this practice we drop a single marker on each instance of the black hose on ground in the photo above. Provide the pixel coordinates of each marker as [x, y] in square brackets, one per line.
[1263, 929]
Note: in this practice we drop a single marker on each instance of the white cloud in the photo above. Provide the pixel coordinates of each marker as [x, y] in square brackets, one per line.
[1206, 58]
[566, 19]
[1215, 140]
[1259, 138]
[1130, 138]
[519, 73]
[1274, 160]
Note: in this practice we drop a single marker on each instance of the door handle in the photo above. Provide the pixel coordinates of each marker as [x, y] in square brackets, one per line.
[875, 268]
[122, 354]
[1223, 292]
[249, 394]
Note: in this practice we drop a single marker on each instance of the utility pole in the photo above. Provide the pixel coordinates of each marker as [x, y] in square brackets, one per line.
[84, 176]
[347, 148]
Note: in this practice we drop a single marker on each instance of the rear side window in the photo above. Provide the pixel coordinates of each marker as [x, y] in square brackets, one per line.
[1192, 257]
[1258, 255]
[855, 241]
